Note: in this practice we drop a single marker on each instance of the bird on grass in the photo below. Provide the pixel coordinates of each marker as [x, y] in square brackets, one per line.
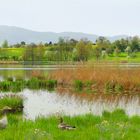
[4, 120]
[65, 126]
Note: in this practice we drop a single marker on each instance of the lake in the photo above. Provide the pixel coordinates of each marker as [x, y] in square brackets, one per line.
[43, 103]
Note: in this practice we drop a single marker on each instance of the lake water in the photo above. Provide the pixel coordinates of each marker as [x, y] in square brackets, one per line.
[43, 103]
[26, 71]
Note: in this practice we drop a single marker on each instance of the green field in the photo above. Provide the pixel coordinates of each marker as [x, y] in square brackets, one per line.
[111, 126]
[11, 52]
[123, 58]
[17, 54]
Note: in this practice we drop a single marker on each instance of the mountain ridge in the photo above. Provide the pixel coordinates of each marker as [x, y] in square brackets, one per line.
[15, 35]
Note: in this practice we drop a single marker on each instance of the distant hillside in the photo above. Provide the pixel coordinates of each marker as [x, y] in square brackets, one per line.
[16, 35]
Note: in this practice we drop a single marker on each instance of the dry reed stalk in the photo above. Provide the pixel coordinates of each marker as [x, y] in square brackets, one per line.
[99, 76]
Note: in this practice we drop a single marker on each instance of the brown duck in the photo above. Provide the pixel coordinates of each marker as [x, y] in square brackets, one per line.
[65, 126]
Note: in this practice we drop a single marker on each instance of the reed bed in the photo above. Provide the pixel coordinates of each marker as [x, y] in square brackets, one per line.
[100, 79]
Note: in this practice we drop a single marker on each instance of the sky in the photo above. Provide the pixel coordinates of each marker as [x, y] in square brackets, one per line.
[101, 17]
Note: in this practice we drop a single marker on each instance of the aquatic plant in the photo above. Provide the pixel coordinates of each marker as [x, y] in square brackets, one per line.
[5, 86]
[107, 79]
[119, 88]
[78, 84]
[33, 83]
[88, 85]
[51, 84]
[10, 79]
[110, 86]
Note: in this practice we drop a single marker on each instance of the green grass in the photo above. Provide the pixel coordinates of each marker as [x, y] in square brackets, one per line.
[122, 57]
[17, 54]
[33, 83]
[11, 52]
[111, 126]
[12, 102]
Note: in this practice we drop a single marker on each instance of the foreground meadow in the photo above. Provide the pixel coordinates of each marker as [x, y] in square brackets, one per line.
[111, 126]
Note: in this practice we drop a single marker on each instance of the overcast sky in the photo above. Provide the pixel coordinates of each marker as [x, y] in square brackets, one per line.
[101, 17]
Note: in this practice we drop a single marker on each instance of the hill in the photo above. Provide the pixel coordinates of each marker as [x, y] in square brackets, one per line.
[16, 35]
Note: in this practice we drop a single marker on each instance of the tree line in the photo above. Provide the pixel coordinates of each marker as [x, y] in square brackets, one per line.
[73, 50]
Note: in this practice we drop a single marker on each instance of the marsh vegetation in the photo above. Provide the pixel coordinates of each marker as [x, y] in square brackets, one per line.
[102, 102]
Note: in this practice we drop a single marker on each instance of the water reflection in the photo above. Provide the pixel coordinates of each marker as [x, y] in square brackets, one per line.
[25, 71]
[43, 103]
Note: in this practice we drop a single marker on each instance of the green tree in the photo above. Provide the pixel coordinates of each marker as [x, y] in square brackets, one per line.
[30, 54]
[121, 44]
[97, 52]
[128, 50]
[5, 44]
[135, 43]
[104, 45]
[83, 50]
[117, 51]
[39, 52]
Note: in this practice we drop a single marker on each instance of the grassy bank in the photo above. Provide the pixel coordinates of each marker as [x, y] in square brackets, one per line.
[116, 126]
[15, 103]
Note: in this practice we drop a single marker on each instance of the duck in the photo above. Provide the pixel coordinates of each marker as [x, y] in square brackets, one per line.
[64, 126]
[4, 120]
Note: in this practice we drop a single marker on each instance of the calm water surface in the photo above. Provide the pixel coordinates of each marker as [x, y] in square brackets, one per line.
[43, 103]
